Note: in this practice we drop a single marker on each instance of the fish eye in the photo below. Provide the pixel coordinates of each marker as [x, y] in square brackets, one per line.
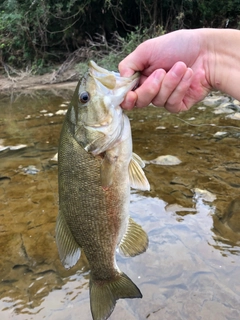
[84, 97]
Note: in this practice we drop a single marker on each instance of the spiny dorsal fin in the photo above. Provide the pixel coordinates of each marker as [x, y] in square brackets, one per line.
[104, 294]
[135, 240]
[137, 177]
[68, 248]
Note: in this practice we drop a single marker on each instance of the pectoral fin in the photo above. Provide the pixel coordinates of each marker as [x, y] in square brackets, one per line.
[137, 177]
[135, 240]
[106, 173]
[108, 167]
[138, 159]
[68, 249]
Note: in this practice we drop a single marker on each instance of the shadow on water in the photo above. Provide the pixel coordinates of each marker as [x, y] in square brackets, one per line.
[190, 270]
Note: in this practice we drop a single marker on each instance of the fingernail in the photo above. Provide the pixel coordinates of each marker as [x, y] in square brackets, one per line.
[159, 74]
[188, 74]
[178, 69]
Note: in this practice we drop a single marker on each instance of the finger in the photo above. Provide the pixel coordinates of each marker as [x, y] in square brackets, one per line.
[176, 102]
[129, 101]
[150, 88]
[170, 82]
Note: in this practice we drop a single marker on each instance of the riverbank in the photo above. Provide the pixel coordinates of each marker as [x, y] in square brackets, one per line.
[27, 81]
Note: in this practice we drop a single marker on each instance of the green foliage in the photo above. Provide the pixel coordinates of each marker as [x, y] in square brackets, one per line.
[43, 32]
[218, 14]
[120, 48]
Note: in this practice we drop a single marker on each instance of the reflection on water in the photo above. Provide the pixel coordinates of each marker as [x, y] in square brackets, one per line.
[192, 216]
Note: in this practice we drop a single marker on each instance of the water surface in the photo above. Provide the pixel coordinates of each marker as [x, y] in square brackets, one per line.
[191, 268]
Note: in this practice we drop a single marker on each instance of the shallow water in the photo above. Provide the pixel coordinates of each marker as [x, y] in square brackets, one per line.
[191, 268]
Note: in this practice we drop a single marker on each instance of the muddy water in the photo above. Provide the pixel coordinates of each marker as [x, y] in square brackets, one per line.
[192, 215]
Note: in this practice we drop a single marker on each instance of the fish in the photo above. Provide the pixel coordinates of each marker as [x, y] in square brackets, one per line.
[96, 168]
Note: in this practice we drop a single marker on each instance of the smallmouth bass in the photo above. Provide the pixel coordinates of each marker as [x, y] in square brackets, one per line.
[96, 170]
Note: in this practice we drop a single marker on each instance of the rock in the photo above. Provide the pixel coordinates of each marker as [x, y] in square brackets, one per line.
[167, 160]
[214, 101]
[232, 215]
[48, 114]
[61, 112]
[224, 108]
[235, 101]
[18, 147]
[3, 148]
[220, 134]
[12, 148]
[161, 128]
[235, 116]
[31, 170]
[204, 194]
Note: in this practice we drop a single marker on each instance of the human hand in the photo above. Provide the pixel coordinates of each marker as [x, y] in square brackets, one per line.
[174, 74]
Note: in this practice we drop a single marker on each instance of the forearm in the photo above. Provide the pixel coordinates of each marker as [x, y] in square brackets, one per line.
[222, 59]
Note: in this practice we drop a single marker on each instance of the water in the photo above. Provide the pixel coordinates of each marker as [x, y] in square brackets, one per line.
[191, 268]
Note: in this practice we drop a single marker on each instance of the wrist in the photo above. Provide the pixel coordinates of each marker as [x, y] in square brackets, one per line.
[221, 56]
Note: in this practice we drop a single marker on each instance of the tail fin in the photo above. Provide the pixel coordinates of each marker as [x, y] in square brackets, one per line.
[104, 294]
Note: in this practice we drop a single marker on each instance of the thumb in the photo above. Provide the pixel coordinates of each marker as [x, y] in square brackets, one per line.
[135, 61]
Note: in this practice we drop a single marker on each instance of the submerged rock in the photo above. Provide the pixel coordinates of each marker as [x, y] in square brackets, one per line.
[231, 215]
[227, 226]
[61, 112]
[220, 134]
[12, 148]
[18, 147]
[234, 116]
[167, 160]
[30, 170]
[204, 194]
[160, 128]
[4, 148]
[48, 114]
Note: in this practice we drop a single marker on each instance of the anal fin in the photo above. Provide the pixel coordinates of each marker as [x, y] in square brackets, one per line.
[68, 249]
[135, 240]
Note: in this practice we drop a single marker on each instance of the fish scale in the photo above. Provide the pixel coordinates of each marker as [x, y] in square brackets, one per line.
[96, 169]
[91, 203]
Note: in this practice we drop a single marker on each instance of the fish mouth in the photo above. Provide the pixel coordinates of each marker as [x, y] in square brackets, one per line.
[111, 84]
[100, 72]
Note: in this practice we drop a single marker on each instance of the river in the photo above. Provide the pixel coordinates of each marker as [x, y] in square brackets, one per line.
[191, 214]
